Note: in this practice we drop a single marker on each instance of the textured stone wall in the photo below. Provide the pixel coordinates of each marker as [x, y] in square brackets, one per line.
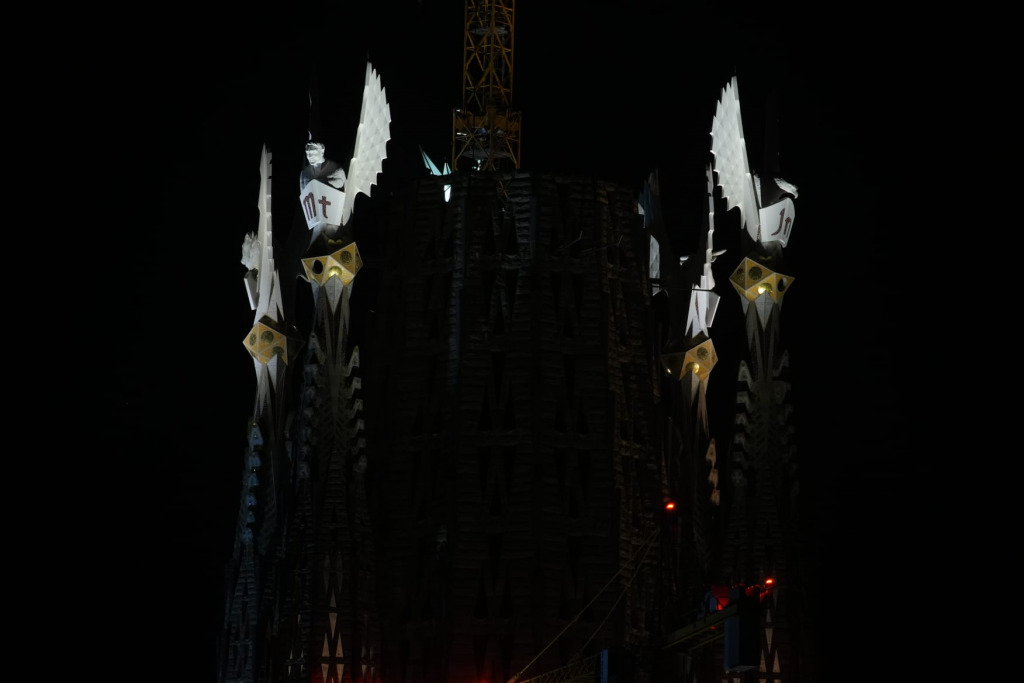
[516, 475]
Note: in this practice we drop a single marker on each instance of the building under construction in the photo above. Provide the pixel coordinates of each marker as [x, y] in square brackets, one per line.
[498, 463]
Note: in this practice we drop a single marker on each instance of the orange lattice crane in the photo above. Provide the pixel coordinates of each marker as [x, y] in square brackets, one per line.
[485, 130]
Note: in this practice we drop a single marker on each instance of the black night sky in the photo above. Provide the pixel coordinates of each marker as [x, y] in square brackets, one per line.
[612, 89]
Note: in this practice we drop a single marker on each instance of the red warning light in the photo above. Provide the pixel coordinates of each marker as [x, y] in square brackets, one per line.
[769, 581]
[670, 505]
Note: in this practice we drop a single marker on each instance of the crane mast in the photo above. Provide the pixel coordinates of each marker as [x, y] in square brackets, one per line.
[485, 129]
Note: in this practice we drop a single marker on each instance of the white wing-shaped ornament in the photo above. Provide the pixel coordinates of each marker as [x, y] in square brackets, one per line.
[372, 138]
[730, 152]
[266, 301]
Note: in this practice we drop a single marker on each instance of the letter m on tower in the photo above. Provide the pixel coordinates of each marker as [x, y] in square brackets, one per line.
[321, 204]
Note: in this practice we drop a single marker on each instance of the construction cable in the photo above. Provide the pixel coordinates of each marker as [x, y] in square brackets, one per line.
[645, 546]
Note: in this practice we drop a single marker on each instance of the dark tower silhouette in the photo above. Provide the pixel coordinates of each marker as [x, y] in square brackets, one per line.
[522, 490]
[514, 385]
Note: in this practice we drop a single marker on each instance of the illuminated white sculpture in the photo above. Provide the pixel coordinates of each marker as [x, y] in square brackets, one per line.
[251, 253]
[741, 188]
[434, 170]
[326, 192]
[267, 341]
[703, 298]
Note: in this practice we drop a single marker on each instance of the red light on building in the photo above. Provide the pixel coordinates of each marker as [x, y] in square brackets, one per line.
[670, 505]
[769, 581]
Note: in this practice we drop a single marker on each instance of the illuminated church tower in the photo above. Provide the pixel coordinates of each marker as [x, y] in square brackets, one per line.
[301, 595]
[761, 546]
[684, 293]
[273, 344]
